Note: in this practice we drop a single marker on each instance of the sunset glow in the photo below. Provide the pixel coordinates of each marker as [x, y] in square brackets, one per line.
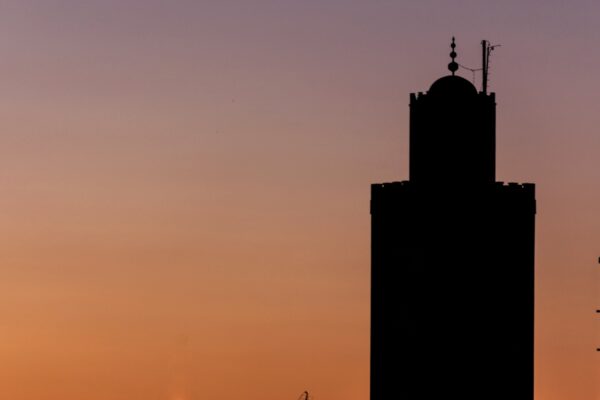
[184, 203]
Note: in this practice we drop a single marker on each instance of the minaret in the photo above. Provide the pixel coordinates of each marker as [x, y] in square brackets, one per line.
[452, 132]
[452, 259]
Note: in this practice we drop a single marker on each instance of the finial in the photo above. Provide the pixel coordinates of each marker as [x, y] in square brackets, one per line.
[453, 66]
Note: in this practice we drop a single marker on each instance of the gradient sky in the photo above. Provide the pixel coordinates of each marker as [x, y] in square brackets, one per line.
[184, 208]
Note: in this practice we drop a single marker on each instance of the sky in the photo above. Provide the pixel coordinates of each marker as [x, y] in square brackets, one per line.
[184, 208]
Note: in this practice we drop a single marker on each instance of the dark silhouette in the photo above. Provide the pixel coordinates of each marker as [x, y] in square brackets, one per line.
[452, 298]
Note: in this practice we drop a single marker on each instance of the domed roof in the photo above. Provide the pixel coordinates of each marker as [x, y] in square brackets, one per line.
[452, 85]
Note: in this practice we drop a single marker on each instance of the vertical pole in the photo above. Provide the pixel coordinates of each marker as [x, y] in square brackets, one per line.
[484, 59]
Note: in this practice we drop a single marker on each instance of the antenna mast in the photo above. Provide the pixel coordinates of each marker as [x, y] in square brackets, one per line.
[486, 49]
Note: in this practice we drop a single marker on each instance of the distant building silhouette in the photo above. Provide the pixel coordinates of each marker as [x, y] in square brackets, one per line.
[452, 303]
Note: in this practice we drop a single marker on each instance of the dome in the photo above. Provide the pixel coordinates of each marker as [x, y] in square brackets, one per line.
[452, 85]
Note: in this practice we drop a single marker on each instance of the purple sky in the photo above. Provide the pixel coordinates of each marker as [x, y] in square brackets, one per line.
[186, 186]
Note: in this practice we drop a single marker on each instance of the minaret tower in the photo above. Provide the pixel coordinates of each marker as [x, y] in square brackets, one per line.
[452, 259]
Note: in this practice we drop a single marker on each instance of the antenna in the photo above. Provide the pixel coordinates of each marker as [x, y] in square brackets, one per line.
[486, 49]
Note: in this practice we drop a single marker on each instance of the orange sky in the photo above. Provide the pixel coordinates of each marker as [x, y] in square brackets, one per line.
[185, 187]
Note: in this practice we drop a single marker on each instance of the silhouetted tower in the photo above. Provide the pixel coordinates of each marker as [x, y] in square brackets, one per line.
[452, 260]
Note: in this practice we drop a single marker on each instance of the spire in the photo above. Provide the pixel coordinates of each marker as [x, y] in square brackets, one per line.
[453, 66]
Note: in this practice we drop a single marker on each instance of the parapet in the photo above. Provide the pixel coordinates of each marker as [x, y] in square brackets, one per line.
[514, 186]
[415, 98]
[458, 185]
[396, 195]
